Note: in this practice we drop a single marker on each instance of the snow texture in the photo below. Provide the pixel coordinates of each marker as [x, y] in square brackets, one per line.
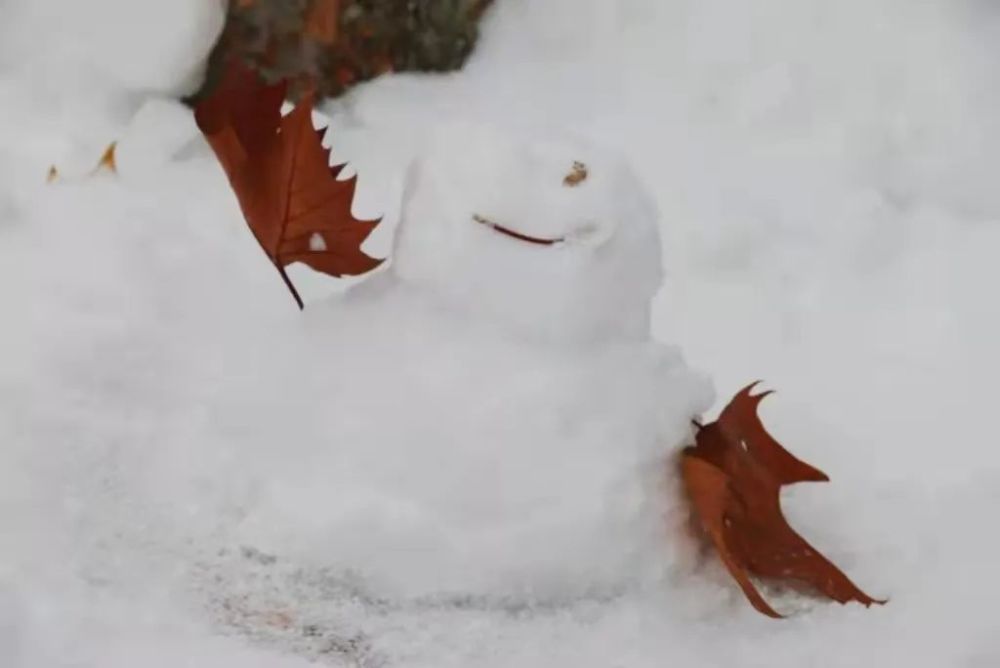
[425, 472]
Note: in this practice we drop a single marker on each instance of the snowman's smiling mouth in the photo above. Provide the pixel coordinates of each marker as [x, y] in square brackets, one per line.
[514, 234]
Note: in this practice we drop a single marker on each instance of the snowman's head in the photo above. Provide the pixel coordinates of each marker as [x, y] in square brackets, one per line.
[552, 239]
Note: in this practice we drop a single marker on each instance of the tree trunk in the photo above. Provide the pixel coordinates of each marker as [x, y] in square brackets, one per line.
[331, 45]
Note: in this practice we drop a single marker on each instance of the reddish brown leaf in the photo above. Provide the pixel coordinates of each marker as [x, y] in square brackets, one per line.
[281, 174]
[733, 477]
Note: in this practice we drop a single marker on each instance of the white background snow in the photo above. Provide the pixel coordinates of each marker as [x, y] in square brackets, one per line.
[826, 177]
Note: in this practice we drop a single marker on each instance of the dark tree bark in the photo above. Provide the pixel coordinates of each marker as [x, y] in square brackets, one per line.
[333, 44]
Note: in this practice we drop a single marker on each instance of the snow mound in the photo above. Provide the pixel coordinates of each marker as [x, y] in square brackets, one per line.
[145, 45]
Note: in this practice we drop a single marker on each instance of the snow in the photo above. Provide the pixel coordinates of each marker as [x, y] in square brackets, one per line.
[190, 471]
[68, 47]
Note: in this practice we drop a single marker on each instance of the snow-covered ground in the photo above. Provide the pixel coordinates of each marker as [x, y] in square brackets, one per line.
[191, 471]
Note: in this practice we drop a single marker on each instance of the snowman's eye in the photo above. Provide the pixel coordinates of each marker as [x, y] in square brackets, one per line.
[514, 234]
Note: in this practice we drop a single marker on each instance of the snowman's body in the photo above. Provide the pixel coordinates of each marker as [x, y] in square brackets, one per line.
[507, 430]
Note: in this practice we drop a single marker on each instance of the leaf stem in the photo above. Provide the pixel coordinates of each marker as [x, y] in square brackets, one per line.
[291, 288]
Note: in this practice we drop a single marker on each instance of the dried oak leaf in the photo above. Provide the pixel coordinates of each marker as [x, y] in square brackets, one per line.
[280, 171]
[733, 477]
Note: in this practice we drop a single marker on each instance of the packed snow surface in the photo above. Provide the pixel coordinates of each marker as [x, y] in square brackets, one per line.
[469, 472]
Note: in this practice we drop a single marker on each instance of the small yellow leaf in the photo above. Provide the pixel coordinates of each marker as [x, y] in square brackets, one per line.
[108, 163]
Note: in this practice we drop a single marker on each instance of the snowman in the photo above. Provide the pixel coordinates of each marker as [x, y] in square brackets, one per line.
[497, 421]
